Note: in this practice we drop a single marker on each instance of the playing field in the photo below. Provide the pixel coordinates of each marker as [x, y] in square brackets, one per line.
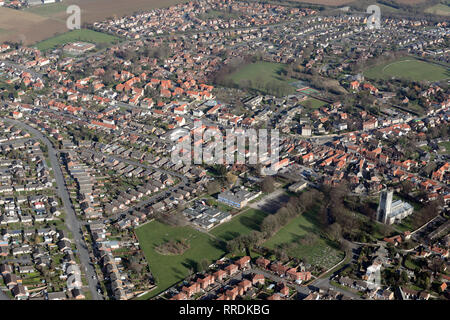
[170, 269]
[318, 252]
[313, 103]
[244, 223]
[263, 76]
[439, 9]
[76, 35]
[409, 68]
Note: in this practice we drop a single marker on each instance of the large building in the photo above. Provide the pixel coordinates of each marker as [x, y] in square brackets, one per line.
[205, 216]
[238, 199]
[392, 212]
[78, 48]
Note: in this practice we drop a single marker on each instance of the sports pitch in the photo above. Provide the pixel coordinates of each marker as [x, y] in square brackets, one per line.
[409, 68]
[76, 35]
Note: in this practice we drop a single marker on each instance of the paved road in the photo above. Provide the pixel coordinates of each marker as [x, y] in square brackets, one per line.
[325, 285]
[71, 220]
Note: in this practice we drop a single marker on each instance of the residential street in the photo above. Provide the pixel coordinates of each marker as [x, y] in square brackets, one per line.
[71, 220]
[21, 67]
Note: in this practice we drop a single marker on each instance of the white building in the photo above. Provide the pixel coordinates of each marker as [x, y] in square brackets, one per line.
[392, 212]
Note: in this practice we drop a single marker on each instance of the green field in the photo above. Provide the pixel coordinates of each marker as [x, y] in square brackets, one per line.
[76, 35]
[320, 252]
[313, 103]
[446, 145]
[263, 76]
[244, 223]
[439, 9]
[170, 269]
[408, 68]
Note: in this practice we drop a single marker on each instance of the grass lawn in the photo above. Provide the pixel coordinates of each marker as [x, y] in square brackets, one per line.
[446, 145]
[170, 269]
[76, 35]
[243, 223]
[319, 253]
[313, 103]
[408, 68]
[263, 76]
[410, 264]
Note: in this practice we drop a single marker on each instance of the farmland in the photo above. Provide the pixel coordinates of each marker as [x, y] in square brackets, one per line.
[347, 2]
[408, 68]
[39, 23]
[50, 10]
[170, 269]
[76, 35]
[328, 2]
[439, 9]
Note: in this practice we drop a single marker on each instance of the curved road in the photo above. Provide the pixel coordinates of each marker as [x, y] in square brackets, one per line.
[71, 219]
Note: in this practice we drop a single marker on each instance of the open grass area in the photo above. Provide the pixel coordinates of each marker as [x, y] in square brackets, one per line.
[265, 77]
[77, 35]
[170, 269]
[408, 68]
[243, 223]
[313, 103]
[442, 9]
[297, 232]
[446, 145]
